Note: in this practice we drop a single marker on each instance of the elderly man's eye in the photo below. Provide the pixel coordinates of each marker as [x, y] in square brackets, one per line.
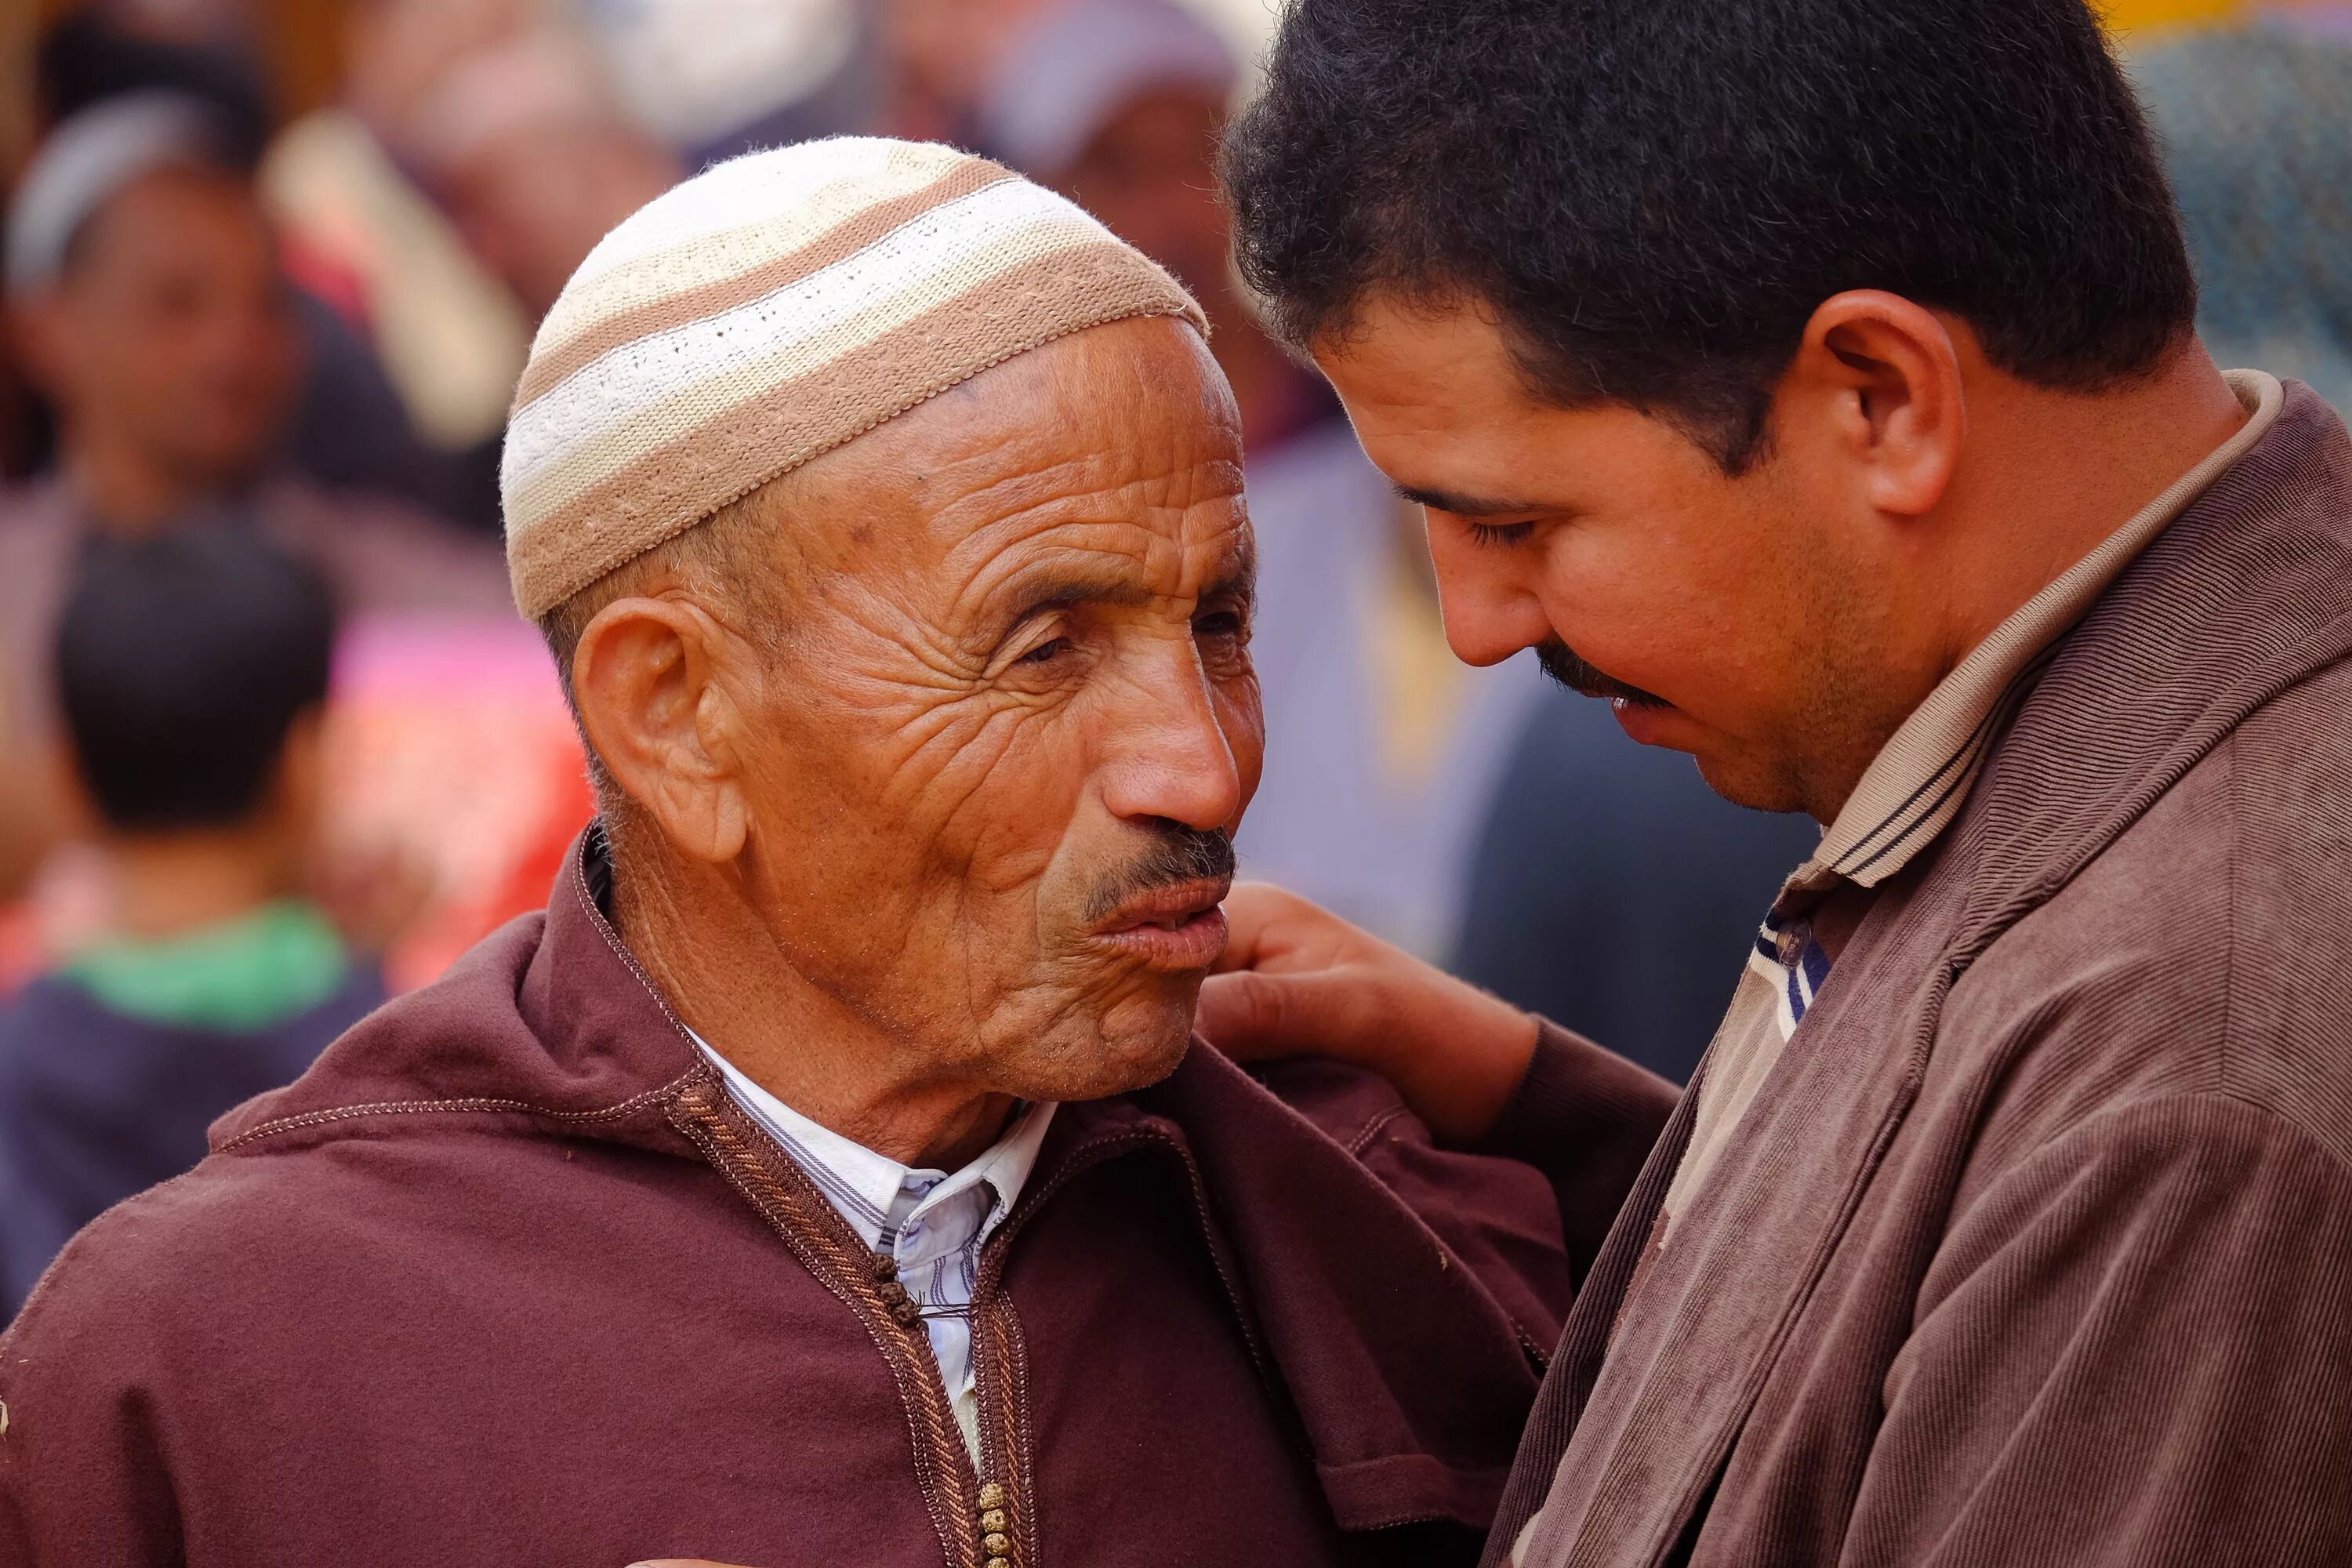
[1045, 652]
[1220, 623]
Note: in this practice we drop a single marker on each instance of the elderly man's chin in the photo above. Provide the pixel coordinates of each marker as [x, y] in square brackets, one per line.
[1123, 1038]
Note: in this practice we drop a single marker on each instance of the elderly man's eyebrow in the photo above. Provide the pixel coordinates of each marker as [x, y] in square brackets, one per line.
[1062, 590]
[1235, 583]
[1237, 580]
[1456, 504]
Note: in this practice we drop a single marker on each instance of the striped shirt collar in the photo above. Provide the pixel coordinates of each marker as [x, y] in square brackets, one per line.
[930, 1223]
[1916, 785]
[871, 1190]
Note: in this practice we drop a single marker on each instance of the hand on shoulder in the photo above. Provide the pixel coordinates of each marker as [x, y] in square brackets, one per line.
[1297, 980]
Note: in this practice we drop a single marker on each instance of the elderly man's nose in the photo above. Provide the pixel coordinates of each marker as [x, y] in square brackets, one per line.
[1177, 763]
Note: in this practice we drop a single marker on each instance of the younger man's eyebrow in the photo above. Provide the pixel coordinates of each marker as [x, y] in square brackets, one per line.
[1459, 505]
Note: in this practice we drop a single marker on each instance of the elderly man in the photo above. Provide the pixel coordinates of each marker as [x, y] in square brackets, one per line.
[791, 1192]
[1385, 749]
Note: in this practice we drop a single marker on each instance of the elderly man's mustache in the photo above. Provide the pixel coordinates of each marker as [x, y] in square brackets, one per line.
[1179, 855]
[1565, 665]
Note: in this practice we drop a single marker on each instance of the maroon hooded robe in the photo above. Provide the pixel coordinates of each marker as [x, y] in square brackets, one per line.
[507, 1280]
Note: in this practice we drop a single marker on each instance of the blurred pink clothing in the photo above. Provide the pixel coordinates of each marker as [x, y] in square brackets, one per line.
[379, 557]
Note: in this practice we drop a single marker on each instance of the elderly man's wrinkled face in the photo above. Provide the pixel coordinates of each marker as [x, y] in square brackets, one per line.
[1008, 721]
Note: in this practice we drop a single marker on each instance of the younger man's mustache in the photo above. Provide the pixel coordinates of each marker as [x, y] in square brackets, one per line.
[1568, 666]
[1179, 855]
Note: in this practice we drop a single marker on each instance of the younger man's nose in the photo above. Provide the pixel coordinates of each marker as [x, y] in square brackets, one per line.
[1489, 614]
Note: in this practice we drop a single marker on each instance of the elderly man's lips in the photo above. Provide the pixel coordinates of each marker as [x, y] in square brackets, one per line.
[1173, 928]
[1167, 905]
[1191, 942]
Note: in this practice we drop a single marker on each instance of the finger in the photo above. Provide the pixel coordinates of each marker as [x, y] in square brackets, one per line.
[1250, 1016]
[1267, 928]
[1252, 908]
[1227, 1013]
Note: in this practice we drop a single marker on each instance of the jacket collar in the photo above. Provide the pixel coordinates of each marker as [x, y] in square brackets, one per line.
[548, 1021]
[1916, 785]
[2247, 593]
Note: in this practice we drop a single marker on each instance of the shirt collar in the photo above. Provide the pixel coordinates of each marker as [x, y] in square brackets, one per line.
[1915, 784]
[876, 1194]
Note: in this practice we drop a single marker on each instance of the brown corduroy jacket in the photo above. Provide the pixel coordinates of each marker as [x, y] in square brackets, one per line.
[2036, 1247]
[507, 1280]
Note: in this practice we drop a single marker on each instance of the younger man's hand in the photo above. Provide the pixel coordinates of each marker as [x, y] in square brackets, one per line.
[1297, 980]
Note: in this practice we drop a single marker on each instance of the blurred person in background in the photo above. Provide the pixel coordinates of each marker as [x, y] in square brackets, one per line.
[527, 147]
[2255, 121]
[348, 427]
[145, 286]
[938, 56]
[511, 127]
[191, 667]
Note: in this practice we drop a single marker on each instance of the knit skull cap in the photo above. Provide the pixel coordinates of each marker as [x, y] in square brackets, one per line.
[770, 309]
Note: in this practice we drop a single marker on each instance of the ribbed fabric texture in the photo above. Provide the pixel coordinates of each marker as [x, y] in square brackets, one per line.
[769, 310]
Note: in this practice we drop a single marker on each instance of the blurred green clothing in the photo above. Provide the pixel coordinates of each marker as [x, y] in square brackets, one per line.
[250, 972]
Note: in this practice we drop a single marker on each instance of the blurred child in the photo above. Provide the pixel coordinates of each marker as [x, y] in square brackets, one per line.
[190, 671]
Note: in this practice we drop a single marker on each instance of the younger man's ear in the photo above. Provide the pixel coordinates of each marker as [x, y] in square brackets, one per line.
[641, 677]
[1888, 372]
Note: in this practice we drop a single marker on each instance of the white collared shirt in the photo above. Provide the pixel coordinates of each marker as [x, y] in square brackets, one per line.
[932, 1222]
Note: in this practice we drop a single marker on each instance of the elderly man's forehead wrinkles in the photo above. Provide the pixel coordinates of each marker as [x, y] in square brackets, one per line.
[1140, 536]
[1177, 508]
[1012, 577]
[1118, 470]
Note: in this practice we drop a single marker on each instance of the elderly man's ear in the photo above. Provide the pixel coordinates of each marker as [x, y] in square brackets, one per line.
[645, 677]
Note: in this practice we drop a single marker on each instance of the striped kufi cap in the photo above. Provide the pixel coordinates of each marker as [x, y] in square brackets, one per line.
[769, 310]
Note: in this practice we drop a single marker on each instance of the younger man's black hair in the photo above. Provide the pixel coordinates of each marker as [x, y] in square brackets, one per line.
[182, 662]
[1654, 195]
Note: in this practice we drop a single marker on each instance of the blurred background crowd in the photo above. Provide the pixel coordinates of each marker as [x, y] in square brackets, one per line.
[272, 742]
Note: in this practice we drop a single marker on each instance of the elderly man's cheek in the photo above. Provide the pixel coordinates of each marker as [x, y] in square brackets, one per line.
[961, 771]
[1241, 714]
[993, 818]
[1005, 782]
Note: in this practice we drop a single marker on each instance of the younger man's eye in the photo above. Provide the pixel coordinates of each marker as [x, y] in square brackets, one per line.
[1499, 533]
